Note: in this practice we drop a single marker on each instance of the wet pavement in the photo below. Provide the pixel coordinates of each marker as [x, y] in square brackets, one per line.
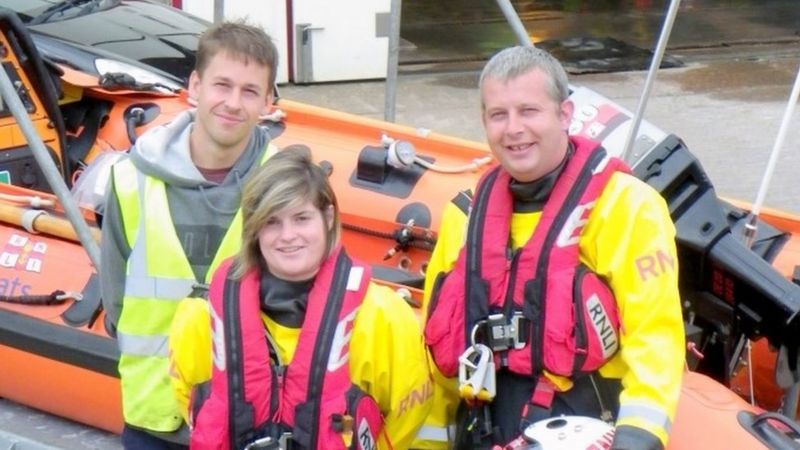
[738, 62]
[472, 30]
[739, 59]
[727, 108]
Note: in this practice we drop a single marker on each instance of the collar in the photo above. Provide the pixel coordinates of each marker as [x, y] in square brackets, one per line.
[531, 196]
[284, 301]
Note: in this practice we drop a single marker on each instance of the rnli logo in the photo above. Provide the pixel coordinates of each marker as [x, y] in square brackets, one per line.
[654, 265]
[23, 253]
[217, 340]
[366, 440]
[602, 326]
[415, 397]
[573, 227]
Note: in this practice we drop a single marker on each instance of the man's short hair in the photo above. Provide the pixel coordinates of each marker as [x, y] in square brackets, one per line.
[239, 40]
[519, 60]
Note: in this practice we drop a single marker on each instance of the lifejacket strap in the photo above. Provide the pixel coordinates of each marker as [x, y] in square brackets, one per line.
[540, 404]
[479, 424]
[538, 408]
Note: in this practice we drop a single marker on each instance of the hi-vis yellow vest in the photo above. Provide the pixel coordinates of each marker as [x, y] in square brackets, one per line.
[158, 277]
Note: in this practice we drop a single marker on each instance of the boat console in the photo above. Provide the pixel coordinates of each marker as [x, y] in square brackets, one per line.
[37, 90]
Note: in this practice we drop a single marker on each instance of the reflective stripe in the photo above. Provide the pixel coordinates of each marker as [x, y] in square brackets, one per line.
[155, 345]
[438, 434]
[647, 413]
[158, 287]
[126, 188]
[137, 260]
[138, 283]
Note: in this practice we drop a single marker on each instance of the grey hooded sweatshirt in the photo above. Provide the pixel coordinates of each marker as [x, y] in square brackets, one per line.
[201, 210]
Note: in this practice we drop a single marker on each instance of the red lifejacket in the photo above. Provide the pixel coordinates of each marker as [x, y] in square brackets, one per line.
[313, 398]
[568, 321]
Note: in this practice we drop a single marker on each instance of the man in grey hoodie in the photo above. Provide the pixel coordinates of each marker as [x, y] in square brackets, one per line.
[172, 215]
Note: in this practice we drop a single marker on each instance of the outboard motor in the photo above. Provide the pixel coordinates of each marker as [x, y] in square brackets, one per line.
[730, 292]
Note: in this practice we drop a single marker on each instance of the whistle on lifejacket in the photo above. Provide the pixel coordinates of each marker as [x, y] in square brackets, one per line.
[476, 377]
[343, 424]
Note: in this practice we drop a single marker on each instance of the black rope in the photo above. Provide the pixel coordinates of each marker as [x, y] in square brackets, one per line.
[55, 298]
[416, 240]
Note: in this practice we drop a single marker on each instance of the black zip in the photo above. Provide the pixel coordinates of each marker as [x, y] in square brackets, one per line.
[580, 330]
[508, 304]
[333, 306]
[234, 367]
[277, 383]
[437, 285]
[277, 370]
[475, 231]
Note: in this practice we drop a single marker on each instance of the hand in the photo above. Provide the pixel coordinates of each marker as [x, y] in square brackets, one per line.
[627, 437]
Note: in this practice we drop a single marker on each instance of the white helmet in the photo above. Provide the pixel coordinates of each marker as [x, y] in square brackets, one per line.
[569, 433]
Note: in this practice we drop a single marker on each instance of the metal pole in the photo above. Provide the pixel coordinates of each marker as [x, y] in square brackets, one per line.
[390, 96]
[49, 168]
[776, 151]
[219, 11]
[516, 24]
[790, 399]
[651, 76]
[789, 407]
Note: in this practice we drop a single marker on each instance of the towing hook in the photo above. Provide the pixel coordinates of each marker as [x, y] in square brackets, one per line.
[405, 233]
[134, 120]
[76, 296]
[137, 116]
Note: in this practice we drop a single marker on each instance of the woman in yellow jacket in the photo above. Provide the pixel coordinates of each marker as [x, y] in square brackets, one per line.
[242, 380]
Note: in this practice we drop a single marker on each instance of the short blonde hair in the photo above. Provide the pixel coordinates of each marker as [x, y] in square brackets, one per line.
[288, 178]
[515, 61]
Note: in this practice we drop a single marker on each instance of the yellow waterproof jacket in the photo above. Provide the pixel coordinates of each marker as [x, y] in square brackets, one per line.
[629, 241]
[387, 358]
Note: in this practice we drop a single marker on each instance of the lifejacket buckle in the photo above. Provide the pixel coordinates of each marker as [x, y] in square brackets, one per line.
[284, 442]
[504, 333]
[200, 290]
[476, 374]
[264, 443]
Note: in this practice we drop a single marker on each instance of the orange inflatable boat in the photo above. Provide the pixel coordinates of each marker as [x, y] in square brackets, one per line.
[392, 182]
[712, 417]
[56, 355]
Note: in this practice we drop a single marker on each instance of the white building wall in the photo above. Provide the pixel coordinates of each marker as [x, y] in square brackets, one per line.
[348, 38]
